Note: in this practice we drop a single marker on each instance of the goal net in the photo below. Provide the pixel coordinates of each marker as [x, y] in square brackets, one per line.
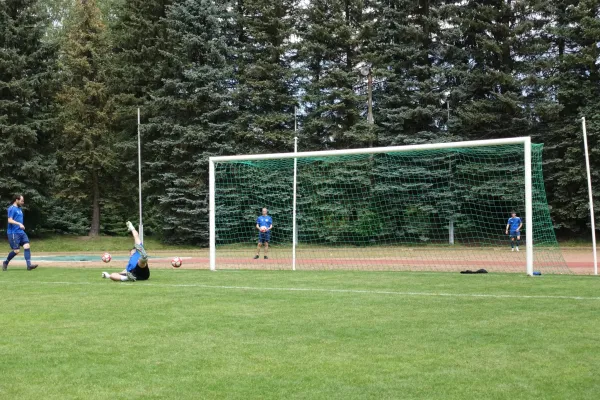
[440, 207]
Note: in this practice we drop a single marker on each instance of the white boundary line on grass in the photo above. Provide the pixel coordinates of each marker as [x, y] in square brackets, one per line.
[351, 291]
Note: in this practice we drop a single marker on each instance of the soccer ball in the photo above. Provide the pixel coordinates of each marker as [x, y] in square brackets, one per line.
[263, 229]
[176, 262]
[106, 257]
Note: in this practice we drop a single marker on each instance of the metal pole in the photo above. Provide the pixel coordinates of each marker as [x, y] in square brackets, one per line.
[528, 208]
[373, 150]
[141, 226]
[211, 217]
[590, 194]
[294, 226]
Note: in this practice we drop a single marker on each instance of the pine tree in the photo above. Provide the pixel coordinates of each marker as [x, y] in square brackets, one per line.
[265, 78]
[570, 63]
[482, 74]
[335, 93]
[408, 52]
[194, 116]
[89, 150]
[27, 69]
[135, 67]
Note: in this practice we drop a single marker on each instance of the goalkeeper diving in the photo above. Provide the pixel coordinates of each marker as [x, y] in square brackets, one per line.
[137, 267]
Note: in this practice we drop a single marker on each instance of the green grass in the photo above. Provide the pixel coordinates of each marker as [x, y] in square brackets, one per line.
[185, 334]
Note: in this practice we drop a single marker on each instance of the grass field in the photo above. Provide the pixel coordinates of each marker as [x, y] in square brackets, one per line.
[192, 334]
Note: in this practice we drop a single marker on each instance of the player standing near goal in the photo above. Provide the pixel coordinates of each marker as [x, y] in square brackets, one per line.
[264, 224]
[16, 234]
[137, 267]
[514, 226]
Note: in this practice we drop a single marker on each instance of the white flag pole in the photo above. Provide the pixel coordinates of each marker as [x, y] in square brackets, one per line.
[591, 197]
[141, 227]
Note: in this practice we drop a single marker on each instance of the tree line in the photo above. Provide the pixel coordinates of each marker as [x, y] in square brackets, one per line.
[217, 77]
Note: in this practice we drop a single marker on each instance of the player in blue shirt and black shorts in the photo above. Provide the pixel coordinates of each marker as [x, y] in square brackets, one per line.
[137, 267]
[514, 226]
[16, 234]
[264, 224]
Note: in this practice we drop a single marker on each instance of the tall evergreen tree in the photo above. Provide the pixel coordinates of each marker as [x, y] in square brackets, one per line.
[194, 116]
[482, 74]
[408, 53]
[27, 69]
[265, 79]
[334, 92]
[570, 63]
[136, 68]
[89, 151]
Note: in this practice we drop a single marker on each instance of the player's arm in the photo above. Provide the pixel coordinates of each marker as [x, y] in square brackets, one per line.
[520, 226]
[270, 227]
[12, 221]
[507, 226]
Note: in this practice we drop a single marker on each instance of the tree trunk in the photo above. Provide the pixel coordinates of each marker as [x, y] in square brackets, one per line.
[95, 228]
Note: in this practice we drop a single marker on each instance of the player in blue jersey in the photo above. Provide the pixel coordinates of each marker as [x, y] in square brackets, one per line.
[16, 234]
[137, 267]
[263, 222]
[513, 227]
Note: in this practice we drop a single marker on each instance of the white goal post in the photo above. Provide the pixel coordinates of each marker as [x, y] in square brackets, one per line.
[525, 141]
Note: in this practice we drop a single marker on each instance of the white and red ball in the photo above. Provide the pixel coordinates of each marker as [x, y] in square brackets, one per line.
[263, 229]
[176, 262]
[106, 257]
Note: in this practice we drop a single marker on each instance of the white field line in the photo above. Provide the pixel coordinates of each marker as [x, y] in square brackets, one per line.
[319, 290]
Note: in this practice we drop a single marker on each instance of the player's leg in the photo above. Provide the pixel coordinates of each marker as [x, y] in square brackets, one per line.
[138, 242]
[512, 243]
[258, 250]
[27, 252]
[266, 239]
[13, 241]
[115, 276]
[518, 241]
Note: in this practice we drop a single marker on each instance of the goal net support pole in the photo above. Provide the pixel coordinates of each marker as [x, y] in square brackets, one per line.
[524, 141]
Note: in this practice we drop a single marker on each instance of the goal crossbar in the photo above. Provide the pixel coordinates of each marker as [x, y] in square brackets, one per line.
[525, 141]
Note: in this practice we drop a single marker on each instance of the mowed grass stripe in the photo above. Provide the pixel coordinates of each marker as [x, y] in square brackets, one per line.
[350, 291]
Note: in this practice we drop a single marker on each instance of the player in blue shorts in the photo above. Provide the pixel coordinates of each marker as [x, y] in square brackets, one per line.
[514, 226]
[263, 221]
[137, 267]
[16, 234]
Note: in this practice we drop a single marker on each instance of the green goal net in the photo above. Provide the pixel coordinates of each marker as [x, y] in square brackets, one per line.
[426, 210]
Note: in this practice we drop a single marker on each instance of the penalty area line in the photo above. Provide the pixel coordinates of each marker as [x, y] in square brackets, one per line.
[322, 290]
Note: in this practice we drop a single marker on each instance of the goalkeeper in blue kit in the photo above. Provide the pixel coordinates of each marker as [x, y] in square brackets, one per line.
[514, 226]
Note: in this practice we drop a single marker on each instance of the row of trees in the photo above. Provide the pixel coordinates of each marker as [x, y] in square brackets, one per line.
[225, 76]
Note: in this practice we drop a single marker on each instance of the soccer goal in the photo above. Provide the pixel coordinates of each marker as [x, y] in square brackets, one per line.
[432, 207]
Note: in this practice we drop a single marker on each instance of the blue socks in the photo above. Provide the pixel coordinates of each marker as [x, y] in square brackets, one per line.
[10, 256]
[28, 257]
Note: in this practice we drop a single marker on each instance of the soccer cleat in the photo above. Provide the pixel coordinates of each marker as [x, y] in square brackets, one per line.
[131, 277]
[256, 257]
[266, 258]
[517, 249]
[130, 227]
[105, 275]
[4, 265]
[140, 249]
[31, 267]
[513, 249]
